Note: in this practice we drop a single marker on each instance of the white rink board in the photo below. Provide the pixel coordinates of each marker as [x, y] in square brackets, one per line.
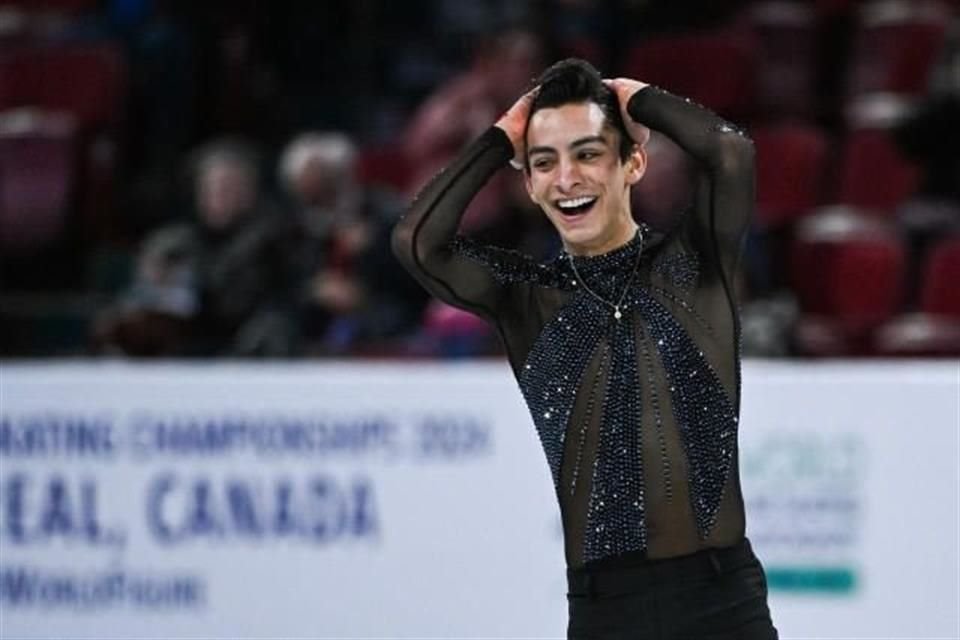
[352, 500]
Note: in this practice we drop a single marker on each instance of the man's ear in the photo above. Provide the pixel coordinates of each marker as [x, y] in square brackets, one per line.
[529, 185]
[636, 164]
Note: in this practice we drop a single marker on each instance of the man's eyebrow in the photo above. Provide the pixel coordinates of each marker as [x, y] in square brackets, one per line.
[576, 143]
[534, 150]
[587, 140]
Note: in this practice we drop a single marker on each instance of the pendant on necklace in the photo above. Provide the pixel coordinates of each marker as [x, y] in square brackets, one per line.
[616, 313]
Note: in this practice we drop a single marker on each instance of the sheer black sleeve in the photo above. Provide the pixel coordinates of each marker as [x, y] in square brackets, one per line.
[424, 239]
[724, 202]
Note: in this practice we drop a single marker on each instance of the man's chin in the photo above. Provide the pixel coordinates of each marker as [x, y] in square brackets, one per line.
[577, 241]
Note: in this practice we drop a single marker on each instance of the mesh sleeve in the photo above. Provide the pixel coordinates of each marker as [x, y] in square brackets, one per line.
[724, 202]
[423, 240]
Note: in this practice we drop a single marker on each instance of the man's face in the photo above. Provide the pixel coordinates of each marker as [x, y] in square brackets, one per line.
[318, 184]
[577, 177]
[226, 191]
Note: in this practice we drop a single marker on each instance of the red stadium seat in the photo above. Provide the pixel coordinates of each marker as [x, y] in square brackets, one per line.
[941, 280]
[786, 36]
[873, 173]
[896, 45]
[849, 267]
[86, 80]
[716, 70]
[36, 181]
[791, 159]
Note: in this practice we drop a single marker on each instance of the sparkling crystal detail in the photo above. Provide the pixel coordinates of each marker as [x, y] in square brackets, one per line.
[657, 419]
[553, 376]
[681, 268]
[559, 355]
[618, 474]
[507, 265]
[588, 416]
[694, 384]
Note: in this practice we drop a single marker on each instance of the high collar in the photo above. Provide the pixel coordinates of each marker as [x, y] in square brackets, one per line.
[614, 261]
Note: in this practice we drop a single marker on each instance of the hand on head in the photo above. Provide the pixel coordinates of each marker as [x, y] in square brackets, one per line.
[625, 88]
[514, 123]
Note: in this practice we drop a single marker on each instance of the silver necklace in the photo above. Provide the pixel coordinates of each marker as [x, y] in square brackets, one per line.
[636, 267]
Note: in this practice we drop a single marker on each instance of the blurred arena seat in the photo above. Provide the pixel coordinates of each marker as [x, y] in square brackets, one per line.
[786, 35]
[86, 80]
[895, 46]
[934, 331]
[37, 178]
[791, 166]
[941, 280]
[714, 69]
[873, 174]
[847, 269]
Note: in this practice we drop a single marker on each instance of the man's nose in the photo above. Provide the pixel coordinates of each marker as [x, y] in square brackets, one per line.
[569, 176]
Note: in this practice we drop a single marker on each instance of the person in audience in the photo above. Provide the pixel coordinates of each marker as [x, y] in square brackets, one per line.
[351, 291]
[218, 284]
[459, 110]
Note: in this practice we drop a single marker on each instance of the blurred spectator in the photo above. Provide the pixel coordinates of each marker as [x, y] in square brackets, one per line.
[504, 65]
[214, 286]
[353, 292]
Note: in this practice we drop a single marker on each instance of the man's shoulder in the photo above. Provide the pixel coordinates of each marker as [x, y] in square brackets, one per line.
[508, 266]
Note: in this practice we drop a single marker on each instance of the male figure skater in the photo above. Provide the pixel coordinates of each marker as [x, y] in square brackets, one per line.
[625, 347]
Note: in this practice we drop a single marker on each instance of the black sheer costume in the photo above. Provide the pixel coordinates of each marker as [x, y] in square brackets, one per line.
[637, 416]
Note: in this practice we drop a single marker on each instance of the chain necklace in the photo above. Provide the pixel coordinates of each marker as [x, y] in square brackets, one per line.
[636, 267]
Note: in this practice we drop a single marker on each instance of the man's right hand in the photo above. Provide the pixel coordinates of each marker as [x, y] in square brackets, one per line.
[514, 123]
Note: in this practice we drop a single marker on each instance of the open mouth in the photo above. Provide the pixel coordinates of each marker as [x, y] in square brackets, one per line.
[576, 206]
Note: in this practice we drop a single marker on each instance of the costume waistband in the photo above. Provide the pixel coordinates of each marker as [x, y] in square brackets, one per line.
[618, 581]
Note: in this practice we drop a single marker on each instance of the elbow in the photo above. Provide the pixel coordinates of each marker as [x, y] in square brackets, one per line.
[401, 242]
[735, 154]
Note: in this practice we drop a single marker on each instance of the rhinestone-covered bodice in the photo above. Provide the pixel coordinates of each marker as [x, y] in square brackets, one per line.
[648, 340]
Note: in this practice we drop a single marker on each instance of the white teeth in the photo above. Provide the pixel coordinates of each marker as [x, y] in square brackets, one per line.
[575, 202]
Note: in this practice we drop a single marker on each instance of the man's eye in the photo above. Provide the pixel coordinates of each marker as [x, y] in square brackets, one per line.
[589, 155]
[541, 164]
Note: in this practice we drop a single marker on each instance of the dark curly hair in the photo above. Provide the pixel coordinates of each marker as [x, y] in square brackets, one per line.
[576, 81]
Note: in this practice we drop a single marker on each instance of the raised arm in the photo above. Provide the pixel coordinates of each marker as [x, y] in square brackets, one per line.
[725, 189]
[423, 239]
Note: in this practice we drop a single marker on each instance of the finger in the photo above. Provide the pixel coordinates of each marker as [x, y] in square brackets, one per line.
[616, 87]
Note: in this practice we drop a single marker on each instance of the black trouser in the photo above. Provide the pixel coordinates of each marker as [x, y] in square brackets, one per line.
[718, 594]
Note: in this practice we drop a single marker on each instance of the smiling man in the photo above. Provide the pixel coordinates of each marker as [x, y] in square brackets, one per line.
[581, 162]
[625, 347]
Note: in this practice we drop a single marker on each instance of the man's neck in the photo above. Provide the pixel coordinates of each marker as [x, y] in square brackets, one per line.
[622, 236]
